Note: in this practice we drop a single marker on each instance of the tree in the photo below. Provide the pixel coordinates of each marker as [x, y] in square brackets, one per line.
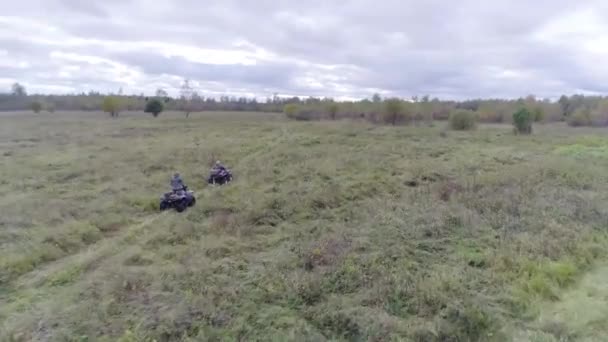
[522, 121]
[160, 92]
[291, 110]
[332, 110]
[186, 96]
[154, 106]
[18, 90]
[564, 103]
[111, 105]
[36, 106]
[393, 111]
[376, 98]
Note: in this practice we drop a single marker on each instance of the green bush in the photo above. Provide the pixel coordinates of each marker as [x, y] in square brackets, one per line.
[463, 120]
[111, 105]
[291, 110]
[581, 117]
[393, 111]
[522, 121]
[296, 112]
[332, 110]
[36, 107]
[154, 106]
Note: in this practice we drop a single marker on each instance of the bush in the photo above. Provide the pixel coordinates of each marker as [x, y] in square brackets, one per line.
[291, 110]
[296, 112]
[393, 111]
[154, 106]
[111, 105]
[581, 117]
[36, 107]
[463, 120]
[332, 110]
[522, 121]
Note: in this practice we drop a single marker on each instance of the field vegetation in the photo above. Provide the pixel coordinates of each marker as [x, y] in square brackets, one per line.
[334, 230]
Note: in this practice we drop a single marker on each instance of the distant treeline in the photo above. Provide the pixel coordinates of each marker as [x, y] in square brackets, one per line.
[94, 101]
[577, 110]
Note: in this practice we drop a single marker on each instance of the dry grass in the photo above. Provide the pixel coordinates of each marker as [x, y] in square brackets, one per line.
[330, 231]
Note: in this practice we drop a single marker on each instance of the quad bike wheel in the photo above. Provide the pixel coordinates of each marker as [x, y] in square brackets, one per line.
[192, 202]
[163, 206]
[181, 205]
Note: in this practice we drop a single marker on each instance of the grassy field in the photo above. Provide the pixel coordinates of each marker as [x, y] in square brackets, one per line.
[331, 230]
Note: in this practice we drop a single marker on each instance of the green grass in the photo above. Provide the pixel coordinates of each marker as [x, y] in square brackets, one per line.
[330, 231]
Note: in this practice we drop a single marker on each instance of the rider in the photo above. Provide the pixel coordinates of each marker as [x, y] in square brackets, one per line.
[218, 167]
[177, 184]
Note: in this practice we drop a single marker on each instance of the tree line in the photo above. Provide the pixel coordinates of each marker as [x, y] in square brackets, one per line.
[577, 110]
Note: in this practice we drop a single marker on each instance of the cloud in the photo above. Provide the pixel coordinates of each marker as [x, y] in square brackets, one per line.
[353, 48]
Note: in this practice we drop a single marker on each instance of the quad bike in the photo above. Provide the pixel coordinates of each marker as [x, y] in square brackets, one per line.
[220, 177]
[178, 200]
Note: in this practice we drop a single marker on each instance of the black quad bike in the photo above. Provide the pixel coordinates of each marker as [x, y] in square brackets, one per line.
[178, 200]
[220, 177]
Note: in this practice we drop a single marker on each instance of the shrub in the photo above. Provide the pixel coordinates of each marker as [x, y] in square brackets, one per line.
[291, 110]
[296, 112]
[393, 111]
[463, 120]
[522, 121]
[581, 117]
[36, 107]
[332, 110]
[154, 106]
[111, 105]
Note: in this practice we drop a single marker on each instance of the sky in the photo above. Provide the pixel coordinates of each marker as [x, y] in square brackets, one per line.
[346, 49]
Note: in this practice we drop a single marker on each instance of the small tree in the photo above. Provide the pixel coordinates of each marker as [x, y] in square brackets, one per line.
[291, 110]
[111, 105]
[160, 92]
[522, 121]
[36, 106]
[393, 111]
[463, 120]
[154, 106]
[186, 96]
[332, 110]
[18, 90]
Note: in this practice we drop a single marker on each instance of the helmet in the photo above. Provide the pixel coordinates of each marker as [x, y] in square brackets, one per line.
[175, 175]
[217, 162]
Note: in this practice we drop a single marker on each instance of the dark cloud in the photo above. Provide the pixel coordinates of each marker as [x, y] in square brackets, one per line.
[313, 47]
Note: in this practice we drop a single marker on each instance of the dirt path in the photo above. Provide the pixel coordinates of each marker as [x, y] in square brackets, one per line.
[581, 314]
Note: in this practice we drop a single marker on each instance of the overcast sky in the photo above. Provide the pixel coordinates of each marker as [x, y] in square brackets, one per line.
[344, 49]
